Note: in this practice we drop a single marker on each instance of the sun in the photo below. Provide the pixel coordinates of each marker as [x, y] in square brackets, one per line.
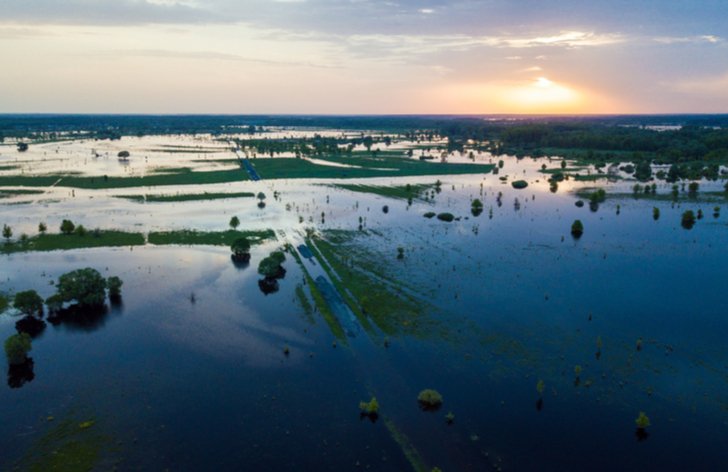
[542, 95]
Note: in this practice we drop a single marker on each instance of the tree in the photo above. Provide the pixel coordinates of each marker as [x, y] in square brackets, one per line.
[123, 155]
[114, 284]
[643, 171]
[22, 147]
[80, 230]
[693, 189]
[86, 286]
[234, 222]
[67, 227]
[688, 219]
[42, 228]
[577, 229]
[7, 232]
[17, 348]
[29, 302]
[241, 250]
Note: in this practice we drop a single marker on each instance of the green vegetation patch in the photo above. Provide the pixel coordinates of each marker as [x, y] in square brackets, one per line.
[4, 302]
[372, 296]
[185, 197]
[403, 192]
[70, 445]
[207, 238]
[292, 168]
[4, 193]
[186, 177]
[64, 242]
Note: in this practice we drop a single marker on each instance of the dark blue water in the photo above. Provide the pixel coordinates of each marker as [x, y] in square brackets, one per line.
[206, 385]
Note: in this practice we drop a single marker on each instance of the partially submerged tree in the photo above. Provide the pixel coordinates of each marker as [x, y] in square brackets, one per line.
[429, 400]
[7, 232]
[84, 286]
[29, 302]
[114, 284]
[688, 219]
[577, 229]
[17, 348]
[234, 222]
[241, 250]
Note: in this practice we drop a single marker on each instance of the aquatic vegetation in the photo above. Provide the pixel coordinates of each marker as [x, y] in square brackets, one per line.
[716, 212]
[688, 219]
[519, 184]
[450, 417]
[400, 253]
[693, 189]
[429, 400]
[370, 408]
[577, 229]
[642, 421]
[638, 344]
[385, 209]
[28, 302]
[4, 302]
[234, 222]
[84, 286]
[655, 213]
[42, 228]
[207, 238]
[17, 348]
[579, 203]
[286, 351]
[448, 217]
[429, 214]
[540, 387]
[54, 242]
[476, 207]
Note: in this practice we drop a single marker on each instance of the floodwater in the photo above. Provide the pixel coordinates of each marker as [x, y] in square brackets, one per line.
[511, 298]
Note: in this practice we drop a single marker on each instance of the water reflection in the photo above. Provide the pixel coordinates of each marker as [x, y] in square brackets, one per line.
[81, 318]
[20, 374]
[31, 325]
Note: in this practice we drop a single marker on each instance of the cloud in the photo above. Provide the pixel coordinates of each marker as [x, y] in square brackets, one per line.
[706, 38]
[714, 86]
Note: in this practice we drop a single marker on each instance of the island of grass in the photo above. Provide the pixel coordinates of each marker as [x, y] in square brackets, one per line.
[65, 242]
[403, 192]
[9, 193]
[186, 197]
[207, 238]
[113, 238]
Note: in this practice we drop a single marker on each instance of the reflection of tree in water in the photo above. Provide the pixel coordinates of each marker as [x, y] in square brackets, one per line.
[81, 318]
[240, 263]
[20, 374]
[268, 285]
[31, 325]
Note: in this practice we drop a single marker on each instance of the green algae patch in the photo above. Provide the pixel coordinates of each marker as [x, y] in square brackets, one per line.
[408, 449]
[207, 238]
[69, 445]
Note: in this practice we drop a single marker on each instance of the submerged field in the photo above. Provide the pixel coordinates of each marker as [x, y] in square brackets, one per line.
[544, 346]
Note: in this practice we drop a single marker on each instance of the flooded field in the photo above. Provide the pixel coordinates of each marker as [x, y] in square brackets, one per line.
[544, 345]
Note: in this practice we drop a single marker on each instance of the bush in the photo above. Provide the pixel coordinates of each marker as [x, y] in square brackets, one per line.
[688, 219]
[29, 302]
[429, 399]
[114, 284]
[234, 222]
[370, 408]
[240, 247]
[86, 286]
[67, 227]
[123, 154]
[519, 184]
[577, 229]
[429, 214]
[449, 217]
[655, 213]
[17, 348]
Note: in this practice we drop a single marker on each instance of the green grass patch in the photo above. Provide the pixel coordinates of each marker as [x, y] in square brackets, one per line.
[305, 303]
[185, 197]
[373, 296]
[18, 193]
[207, 238]
[65, 242]
[331, 321]
[292, 168]
[403, 192]
[10, 167]
[101, 182]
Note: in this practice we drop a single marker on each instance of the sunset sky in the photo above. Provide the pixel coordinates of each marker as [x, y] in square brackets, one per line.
[364, 56]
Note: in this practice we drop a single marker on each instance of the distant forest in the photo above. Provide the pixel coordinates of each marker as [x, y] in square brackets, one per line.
[687, 138]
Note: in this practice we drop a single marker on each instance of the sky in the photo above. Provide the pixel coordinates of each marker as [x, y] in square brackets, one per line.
[364, 56]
